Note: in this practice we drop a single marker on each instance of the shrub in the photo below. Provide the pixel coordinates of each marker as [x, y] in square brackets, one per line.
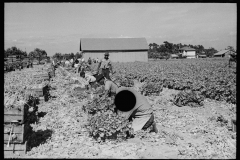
[104, 122]
[188, 98]
[151, 88]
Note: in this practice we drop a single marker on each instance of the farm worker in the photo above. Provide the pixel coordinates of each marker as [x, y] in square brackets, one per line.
[135, 107]
[89, 61]
[71, 60]
[82, 67]
[74, 62]
[89, 78]
[63, 61]
[67, 63]
[106, 66]
[53, 62]
[110, 88]
[76, 66]
[81, 59]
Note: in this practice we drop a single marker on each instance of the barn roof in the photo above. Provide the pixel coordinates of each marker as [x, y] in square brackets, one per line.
[113, 44]
[187, 49]
[221, 52]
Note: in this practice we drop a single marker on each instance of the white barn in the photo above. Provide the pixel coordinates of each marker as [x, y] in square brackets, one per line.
[120, 49]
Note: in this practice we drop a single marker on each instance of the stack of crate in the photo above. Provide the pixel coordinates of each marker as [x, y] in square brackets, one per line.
[15, 131]
[41, 93]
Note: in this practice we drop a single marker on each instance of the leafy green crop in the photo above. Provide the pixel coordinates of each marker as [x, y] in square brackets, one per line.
[151, 88]
[188, 98]
[211, 77]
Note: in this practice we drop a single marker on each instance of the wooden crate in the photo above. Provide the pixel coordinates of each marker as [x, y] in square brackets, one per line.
[14, 114]
[41, 100]
[39, 92]
[14, 150]
[42, 76]
[21, 130]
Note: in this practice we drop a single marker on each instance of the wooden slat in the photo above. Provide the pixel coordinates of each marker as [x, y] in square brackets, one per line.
[9, 118]
[15, 147]
[41, 75]
[10, 154]
[13, 111]
[39, 92]
[19, 138]
[17, 129]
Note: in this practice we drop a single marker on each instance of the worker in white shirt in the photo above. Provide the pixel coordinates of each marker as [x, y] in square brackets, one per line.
[71, 60]
[53, 61]
[67, 63]
[76, 66]
[89, 78]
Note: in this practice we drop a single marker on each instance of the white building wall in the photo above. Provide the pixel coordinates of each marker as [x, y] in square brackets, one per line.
[119, 56]
[190, 54]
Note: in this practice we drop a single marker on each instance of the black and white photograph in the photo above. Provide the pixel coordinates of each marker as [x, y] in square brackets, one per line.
[120, 80]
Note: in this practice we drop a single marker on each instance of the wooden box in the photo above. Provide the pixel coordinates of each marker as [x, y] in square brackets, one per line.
[21, 130]
[15, 150]
[39, 92]
[42, 76]
[15, 114]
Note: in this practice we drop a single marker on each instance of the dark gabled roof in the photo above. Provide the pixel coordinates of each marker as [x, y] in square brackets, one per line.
[221, 52]
[113, 44]
[187, 49]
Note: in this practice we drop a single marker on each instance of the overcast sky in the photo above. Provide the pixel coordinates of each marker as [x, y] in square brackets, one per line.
[58, 27]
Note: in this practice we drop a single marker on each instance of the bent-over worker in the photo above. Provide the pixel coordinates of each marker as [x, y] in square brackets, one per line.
[135, 107]
[89, 78]
[105, 65]
[110, 88]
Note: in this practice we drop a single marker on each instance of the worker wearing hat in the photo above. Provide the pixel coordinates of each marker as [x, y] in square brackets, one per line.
[105, 65]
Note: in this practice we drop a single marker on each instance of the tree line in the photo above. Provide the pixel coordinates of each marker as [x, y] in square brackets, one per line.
[166, 49]
[37, 53]
[155, 51]
[67, 56]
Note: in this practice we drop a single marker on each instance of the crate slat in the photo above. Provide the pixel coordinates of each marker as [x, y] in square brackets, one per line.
[14, 149]
[17, 129]
[19, 139]
[10, 154]
[14, 111]
[9, 118]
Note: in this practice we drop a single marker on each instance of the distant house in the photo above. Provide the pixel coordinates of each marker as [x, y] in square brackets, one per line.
[120, 49]
[202, 56]
[188, 52]
[223, 53]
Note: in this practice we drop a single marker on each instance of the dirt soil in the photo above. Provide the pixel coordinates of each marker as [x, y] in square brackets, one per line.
[184, 132]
